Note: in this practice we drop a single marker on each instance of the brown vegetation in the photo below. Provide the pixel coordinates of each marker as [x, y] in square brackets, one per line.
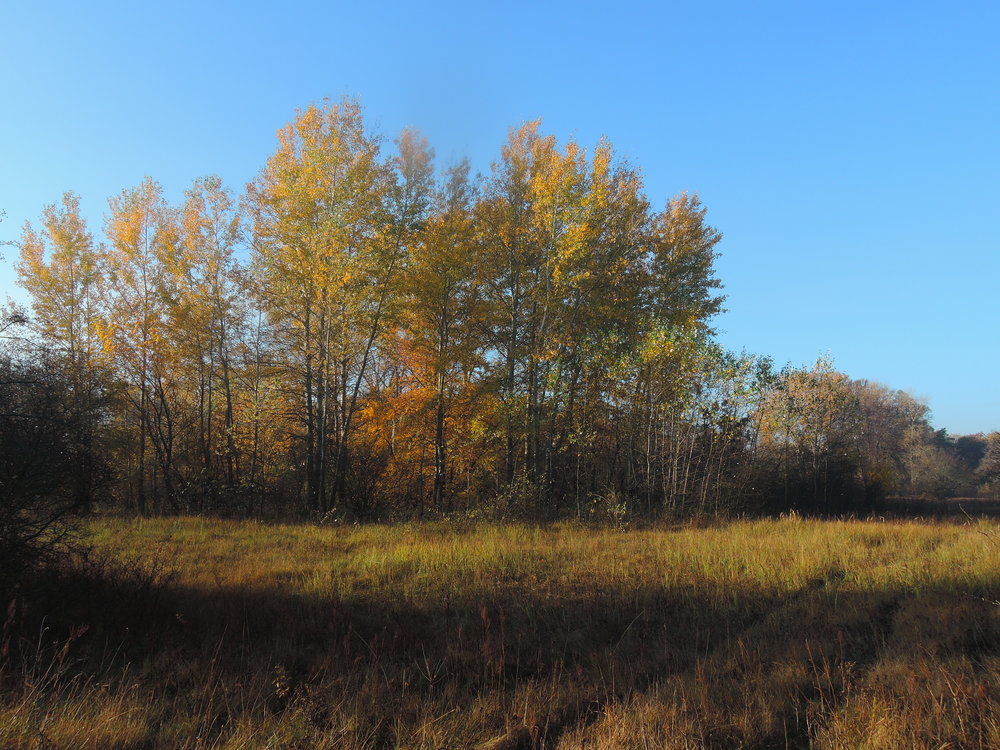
[784, 633]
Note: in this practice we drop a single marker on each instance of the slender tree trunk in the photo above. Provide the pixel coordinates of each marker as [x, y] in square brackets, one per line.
[311, 498]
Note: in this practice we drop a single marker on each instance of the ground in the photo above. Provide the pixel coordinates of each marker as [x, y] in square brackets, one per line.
[189, 632]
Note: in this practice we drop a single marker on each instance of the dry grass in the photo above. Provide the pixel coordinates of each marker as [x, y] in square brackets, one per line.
[785, 633]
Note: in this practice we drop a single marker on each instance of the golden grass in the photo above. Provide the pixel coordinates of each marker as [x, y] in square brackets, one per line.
[786, 633]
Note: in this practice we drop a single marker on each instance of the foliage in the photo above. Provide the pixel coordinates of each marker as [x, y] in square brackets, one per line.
[362, 334]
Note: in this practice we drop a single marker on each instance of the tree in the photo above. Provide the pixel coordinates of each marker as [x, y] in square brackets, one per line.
[808, 427]
[562, 239]
[885, 416]
[504, 222]
[971, 449]
[60, 268]
[330, 228]
[988, 471]
[441, 302]
[205, 319]
[134, 330]
[541, 336]
[681, 266]
[932, 468]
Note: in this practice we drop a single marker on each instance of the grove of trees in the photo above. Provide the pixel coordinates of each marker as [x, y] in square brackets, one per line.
[363, 333]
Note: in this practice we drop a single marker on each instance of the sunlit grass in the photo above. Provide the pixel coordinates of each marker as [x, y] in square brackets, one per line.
[757, 633]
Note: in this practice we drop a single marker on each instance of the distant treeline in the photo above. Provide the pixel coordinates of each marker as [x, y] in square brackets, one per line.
[361, 334]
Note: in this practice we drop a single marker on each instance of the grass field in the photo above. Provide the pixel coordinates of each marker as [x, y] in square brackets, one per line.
[762, 634]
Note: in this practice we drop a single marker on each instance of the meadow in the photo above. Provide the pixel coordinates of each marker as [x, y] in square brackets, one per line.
[785, 633]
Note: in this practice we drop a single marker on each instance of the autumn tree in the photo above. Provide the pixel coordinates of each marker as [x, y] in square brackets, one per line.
[988, 470]
[60, 268]
[314, 214]
[808, 428]
[440, 349]
[504, 223]
[691, 419]
[539, 339]
[562, 239]
[409, 193]
[134, 330]
[933, 470]
[204, 316]
[681, 266]
[332, 223]
[885, 420]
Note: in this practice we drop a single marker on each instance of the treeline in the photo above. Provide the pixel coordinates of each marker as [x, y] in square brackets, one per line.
[362, 334]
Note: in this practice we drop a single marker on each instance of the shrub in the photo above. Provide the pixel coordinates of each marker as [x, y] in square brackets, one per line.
[46, 469]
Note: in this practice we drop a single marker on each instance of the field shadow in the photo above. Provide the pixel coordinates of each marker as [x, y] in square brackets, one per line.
[390, 661]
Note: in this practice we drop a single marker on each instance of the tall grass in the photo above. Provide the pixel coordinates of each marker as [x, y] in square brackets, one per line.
[786, 633]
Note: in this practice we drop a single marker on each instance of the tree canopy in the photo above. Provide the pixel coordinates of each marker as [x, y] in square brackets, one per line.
[365, 332]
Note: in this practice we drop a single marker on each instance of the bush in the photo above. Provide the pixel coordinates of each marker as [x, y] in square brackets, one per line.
[44, 463]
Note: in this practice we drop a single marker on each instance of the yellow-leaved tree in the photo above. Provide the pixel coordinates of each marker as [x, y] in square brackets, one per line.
[442, 348]
[60, 267]
[332, 222]
[135, 333]
[204, 312]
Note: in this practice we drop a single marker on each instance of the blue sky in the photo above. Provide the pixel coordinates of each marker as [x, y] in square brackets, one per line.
[849, 152]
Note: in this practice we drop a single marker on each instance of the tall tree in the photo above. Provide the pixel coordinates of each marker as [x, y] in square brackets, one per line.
[60, 268]
[884, 418]
[441, 303]
[503, 218]
[598, 279]
[138, 227]
[409, 189]
[204, 312]
[809, 425]
[331, 226]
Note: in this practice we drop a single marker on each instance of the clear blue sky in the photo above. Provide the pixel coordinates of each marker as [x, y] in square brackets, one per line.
[849, 151]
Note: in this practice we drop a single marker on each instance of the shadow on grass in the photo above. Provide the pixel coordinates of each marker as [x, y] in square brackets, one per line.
[512, 657]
